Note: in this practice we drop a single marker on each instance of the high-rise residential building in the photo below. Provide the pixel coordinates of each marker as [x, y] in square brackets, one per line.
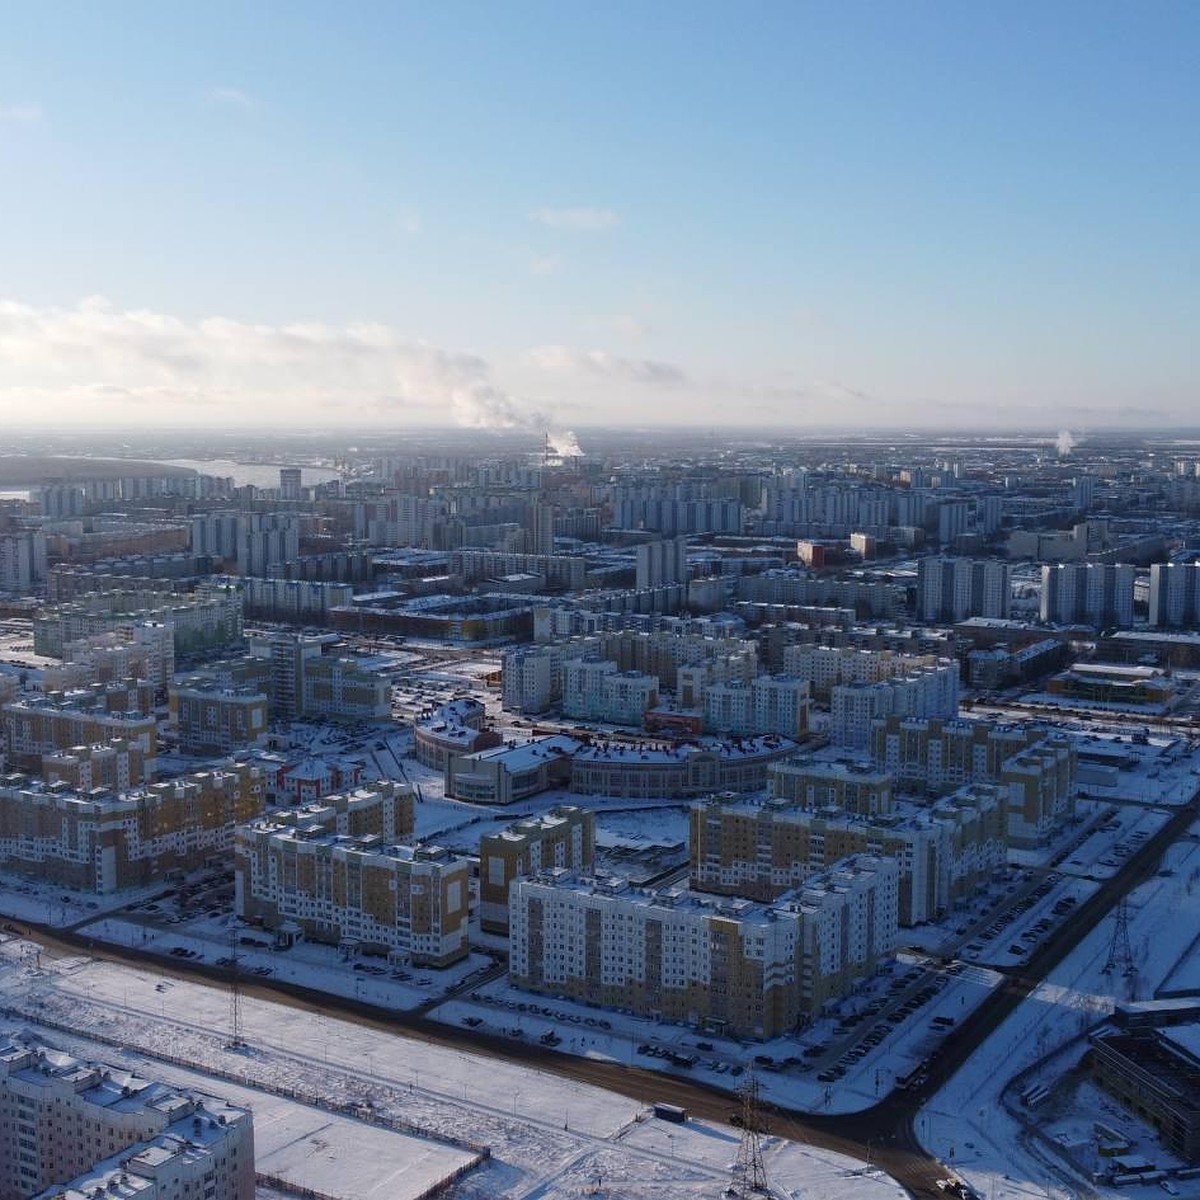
[953, 589]
[541, 529]
[303, 878]
[726, 964]
[266, 541]
[211, 719]
[953, 516]
[76, 1129]
[22, 561]
[563, 837]
[216, 534]
[1098, 594]
[1175, 595]
[928, 690]
[531, 678]
[108, 841]
[663, 562]
[291, 480]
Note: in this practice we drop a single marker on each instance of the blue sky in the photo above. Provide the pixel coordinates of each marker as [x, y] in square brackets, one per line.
[946, 215]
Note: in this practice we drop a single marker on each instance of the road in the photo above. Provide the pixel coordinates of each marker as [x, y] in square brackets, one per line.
[883, 1134]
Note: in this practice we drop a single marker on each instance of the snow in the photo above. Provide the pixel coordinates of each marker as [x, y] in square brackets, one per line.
[549, 1138]
[1007, 1152]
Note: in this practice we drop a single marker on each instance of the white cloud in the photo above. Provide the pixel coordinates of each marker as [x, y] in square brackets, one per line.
[21, 114]
[545, 264]
[579, 220]
[564, 360]
[94, 361]
[229, 97]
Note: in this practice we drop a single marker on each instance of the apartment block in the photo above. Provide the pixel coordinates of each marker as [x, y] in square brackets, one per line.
[765, 849]
[114, 766]
[938, 756]
[953, 589]
[1175, 595]
[923, 691]
[1098, 594]
[768, 704]
[34, 726]
[296, 873]
[725, 964]
[204, 620]
[563, 837]
[851, 787]
[107, 841]
[71, 1129]
[210, 719]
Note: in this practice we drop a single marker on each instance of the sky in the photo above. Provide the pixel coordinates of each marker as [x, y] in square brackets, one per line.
[835, 215]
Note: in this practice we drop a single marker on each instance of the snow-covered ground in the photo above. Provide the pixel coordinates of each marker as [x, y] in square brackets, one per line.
[968, 1124]
[548, 1137]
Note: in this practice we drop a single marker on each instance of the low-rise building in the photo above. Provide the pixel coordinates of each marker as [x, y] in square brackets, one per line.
[1156, 1073]
[453, 728]
[508, 773]
[644, 771]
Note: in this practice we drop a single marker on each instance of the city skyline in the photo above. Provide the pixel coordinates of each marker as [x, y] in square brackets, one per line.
[807, 217]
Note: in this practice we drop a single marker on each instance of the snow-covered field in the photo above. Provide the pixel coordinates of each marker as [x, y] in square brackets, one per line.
[548, 1137]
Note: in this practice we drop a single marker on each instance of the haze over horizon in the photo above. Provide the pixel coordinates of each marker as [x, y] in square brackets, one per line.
[797, 216]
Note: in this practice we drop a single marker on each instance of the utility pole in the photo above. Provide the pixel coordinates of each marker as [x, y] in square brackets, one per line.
[236, 1041]
[749, 1177]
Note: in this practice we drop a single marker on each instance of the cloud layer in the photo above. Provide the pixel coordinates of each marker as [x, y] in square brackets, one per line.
[94, 360]
[599, 364]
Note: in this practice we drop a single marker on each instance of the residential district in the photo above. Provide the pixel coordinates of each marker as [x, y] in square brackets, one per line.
[838, 791]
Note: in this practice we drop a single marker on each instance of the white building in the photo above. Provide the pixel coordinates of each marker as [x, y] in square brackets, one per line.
[929, 691]
[660, 563]
[769, 704]
[953, 589]
[22, 561]
[1099, 594]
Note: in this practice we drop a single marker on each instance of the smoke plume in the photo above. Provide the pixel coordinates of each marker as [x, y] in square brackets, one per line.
[1065, 443]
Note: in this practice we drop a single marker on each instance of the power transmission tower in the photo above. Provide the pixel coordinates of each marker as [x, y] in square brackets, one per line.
[1120, 952]
[749, 1174]
[236, 1041]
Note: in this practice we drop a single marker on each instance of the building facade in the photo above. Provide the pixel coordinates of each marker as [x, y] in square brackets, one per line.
[564, 837]
[61, 1118]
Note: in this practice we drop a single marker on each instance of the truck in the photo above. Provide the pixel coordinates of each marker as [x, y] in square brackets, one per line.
[670, 1112]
